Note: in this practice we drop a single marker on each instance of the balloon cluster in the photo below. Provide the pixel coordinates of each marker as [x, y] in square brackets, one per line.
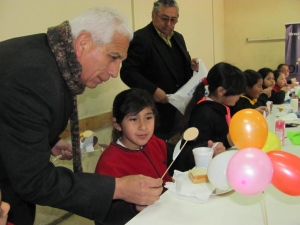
[258, 162]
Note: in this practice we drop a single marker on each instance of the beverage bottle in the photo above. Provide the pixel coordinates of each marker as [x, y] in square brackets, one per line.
[280, 130]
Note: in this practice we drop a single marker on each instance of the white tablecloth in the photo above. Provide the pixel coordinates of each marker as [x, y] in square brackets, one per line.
[231, 208]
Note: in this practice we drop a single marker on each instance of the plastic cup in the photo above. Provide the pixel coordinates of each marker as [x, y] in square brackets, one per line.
[269, 106]
[202, 156]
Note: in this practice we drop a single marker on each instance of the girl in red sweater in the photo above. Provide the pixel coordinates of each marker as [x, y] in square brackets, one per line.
[134, 149]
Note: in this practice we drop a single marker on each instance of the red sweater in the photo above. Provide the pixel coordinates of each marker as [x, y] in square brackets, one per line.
[151, 161]
[276, 88]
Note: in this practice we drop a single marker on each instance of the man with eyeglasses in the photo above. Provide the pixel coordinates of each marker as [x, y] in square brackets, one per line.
[158, 61]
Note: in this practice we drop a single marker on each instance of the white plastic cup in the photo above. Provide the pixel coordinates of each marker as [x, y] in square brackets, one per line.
[269, 106]
[202, 156]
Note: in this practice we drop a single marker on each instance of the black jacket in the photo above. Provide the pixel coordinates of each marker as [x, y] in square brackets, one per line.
[209, 118]
[244, 103]
[149, 66]
[35, 105]
[277, 97]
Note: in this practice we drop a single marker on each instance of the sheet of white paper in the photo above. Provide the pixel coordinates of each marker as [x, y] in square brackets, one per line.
[181, 98]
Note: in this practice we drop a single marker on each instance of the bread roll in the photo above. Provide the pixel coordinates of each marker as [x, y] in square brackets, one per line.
[198, 175]
[280, 109]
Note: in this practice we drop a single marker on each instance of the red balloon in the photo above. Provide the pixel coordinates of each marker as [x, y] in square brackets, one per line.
[286, 172]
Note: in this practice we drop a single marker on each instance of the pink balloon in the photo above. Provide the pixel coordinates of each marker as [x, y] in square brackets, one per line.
[249, 171]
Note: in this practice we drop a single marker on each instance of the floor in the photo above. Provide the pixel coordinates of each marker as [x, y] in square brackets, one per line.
[76, 220]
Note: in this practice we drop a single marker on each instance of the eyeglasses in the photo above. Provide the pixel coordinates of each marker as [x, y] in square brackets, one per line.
[166, 19]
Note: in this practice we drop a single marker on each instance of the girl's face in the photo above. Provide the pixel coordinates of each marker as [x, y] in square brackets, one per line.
[256, 89]
[285, 70]
[137, 129]
[281, 81]
[231, 100]
[269, 80]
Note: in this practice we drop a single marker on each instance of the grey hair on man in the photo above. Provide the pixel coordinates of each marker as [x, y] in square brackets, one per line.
[159, 3]
[101, 23]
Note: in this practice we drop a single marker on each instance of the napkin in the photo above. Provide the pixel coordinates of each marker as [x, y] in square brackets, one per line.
[286, 109]
[294, 137]
[183, 186]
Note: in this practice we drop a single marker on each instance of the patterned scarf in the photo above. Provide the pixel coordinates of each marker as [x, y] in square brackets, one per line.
[61, 43]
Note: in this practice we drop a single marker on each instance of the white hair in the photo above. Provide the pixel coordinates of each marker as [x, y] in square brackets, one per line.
[102, 23]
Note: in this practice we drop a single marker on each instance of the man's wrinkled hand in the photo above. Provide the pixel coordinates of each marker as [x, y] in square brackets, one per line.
[62, 148]
[138, 189]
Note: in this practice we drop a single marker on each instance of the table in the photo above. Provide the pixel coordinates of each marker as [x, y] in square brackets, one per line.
[231, 208]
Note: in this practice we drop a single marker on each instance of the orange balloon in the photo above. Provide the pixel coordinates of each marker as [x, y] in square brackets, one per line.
[248, 129]
[286, 172]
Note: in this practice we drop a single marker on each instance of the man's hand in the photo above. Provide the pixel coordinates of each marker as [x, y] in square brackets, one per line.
[63, 148]
[138, 189]
[160, 96]
[195, 64]
[4, 208]
[218, 149]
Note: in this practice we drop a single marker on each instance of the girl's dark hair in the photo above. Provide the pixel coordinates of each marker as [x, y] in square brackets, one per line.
[264, 72]
[222, 74]
[131, 102]
[252, 77]
[281, 65]
[276, 74]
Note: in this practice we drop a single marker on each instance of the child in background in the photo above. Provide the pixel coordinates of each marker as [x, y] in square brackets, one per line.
[269, 81]
[255, 97]
[211, 114]
[285, 69]
[280, 81]
[134, 149]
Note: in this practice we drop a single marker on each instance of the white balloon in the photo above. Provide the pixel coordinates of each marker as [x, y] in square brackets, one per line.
[217, 168]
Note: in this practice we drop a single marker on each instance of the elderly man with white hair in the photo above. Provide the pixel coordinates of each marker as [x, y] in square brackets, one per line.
[40, 77]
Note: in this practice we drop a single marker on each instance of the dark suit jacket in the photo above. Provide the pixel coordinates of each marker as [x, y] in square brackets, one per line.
[35, 105]
[149, 66]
